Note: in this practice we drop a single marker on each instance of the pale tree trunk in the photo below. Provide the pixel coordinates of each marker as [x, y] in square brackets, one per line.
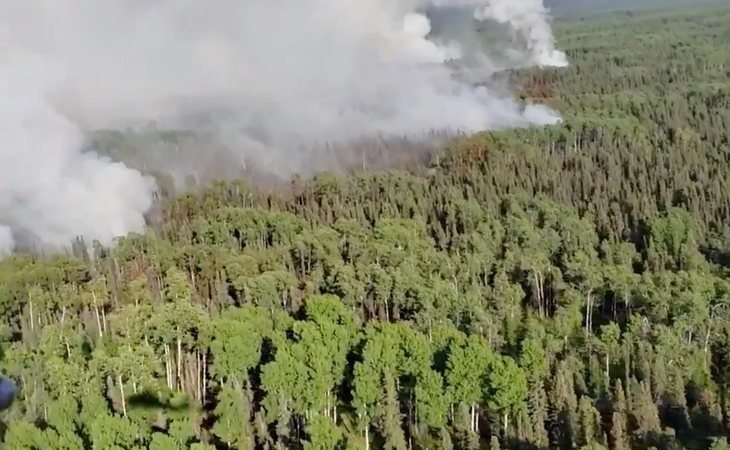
[32, 321]
[589, 313]
[96, 313]
[205, 375]
[473, 418]
[197, 376]
[540, 285]
[709, 327]
[168, 366]
[179, 362]
[327, 408]
[121, 395]
[117, 281]
[160, 290]
[476, 419]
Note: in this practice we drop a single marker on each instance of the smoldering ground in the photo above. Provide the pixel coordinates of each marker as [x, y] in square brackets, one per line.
[270, 79]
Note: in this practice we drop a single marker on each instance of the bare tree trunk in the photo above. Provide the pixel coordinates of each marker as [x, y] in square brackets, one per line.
[327, 408]
[179, 361]
[30, 310]
[540, 285]
[472, 416]
[121, 395]
[589, 313]
[96, 312]
[168, 366]
[198, 390]
[103, 320]
[117, 281]
[476, 418]
[160, 290]
[205, 375]
[709, 327]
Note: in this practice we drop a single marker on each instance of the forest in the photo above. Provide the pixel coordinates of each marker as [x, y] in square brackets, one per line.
[558, 288]
[572, 8]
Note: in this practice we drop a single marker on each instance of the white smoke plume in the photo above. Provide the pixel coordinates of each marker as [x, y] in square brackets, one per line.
[528, 18]
[50, 192]
[273, 76]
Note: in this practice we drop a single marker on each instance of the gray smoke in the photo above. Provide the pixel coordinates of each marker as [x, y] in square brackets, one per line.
[50, 192]
[272, 76]
[7, 243]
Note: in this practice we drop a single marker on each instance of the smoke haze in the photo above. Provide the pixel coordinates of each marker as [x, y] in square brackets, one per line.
[272, 76]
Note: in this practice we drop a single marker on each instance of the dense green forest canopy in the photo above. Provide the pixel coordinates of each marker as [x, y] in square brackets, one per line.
[567, 8]
[559, 288]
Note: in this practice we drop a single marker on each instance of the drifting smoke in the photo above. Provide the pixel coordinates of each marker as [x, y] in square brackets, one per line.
[6, 240]
[527, 17]
[273, 76]
[49, 191]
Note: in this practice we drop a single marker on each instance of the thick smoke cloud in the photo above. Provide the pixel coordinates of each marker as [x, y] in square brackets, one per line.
[49, 191]
[272, 76]
[527, 17]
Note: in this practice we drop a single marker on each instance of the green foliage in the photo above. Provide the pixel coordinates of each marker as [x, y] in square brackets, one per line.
[553, 288]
